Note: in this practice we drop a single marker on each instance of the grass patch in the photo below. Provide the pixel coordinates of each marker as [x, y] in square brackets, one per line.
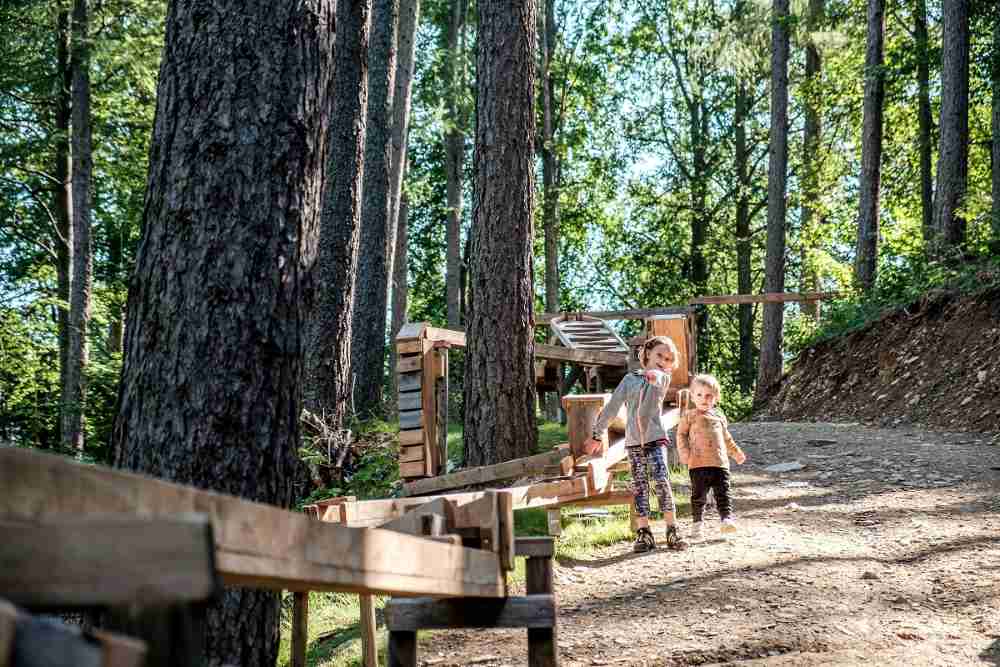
[334, 630]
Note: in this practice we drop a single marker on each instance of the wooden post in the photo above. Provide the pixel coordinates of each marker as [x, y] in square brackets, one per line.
[300, 628]
[402, 648]
[368, 630]
[581, 413]
[542, 649]
[554, 522]
[441, 367]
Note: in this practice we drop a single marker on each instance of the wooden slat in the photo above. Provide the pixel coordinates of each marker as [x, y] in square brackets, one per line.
[588, 357]
[408, 347]
[616, 497]
[409, 363]
[412, 469]
[410, 419]
[409, 400]
[529, 611]
[80, 562]
[411, 330]
[676, 329]
[412, 522]
[769, 297]
[410, 381]
[411, 453]
[368, 645]
[633, 314]
[483, 474]
[256, 545]
[456, 338]
[429, 408]
[411, 437]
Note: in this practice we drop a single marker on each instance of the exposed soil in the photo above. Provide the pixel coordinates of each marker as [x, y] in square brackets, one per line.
[884, 549]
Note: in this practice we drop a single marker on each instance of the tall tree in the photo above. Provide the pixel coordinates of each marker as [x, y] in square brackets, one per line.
[499, 376]
[454, 155]
[210, 392]
[75, 389]
[995, 75]
[769, 371]
[953, 151]
[550, 163]
[329, 347]
[400, 288]
[62, 233]
[924, 114]
[812, 137]
[871, 149]
[743, 245]
[374, 253]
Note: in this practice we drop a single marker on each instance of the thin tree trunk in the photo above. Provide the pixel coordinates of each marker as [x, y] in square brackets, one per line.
[116, 262]
[75, 390]
[212, 375]
[924, 113]
[374, 255]
[329, 351]
[953, 153]
[63, 192]
[769, 372]
[995, 163]
[698, 118]
[399, 285]
[500, 379]
[866, 259]
[454, 145]
[550, 181]
[811, 141]
[743, 245]
[409, 13]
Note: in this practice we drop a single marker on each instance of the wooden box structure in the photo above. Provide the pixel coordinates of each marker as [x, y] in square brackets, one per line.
[422, 393]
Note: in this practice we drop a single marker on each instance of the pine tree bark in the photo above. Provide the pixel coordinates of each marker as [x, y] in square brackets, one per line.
[75, 390]
[62, 239]
[409, 13]
[953, 153]
[212, 374]
[812, 137]
[454, 160]
[329, 348]
[698, 119]
[769, 371]
[926, 123]
[374, 254]
[743, 246]
[400, 287]
[866, 256]
[499, 377]
[995, 163]
[550, 183]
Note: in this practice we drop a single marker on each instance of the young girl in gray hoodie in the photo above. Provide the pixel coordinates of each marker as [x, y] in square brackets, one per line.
[643, 392]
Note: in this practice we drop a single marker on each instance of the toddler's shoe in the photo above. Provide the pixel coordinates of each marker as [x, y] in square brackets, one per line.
[644, 541]
[674, 541]
[728, 526]
[696, 530]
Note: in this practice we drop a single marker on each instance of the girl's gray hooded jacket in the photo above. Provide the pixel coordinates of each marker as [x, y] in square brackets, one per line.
[644, 402]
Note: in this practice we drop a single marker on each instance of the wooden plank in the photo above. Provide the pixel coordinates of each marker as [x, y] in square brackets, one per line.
[412, 469]
[81, 562]
[768, 297]
[581, 414]
[409, 400]
[300, 628]
[368, 643]
[529, 611]
[412, 522]
[409, 347]
[410, 381]
[484, 474]
[255, 544]
[456, 338]
[589, 357]
[411, 330]
[411, 419]
[411, 453]
[676, 329]
[598, 470]
[633, 314]
[441, 404]
[411, 437]
[429, 407]
[410, 363]
[615, 497]
[535, 547]
[505, 530]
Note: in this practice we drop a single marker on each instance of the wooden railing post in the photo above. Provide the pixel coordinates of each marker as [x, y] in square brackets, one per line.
[300, 628]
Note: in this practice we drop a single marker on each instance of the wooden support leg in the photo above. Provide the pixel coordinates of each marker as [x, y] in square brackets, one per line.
[542, 649]
[368, 630]
[402, 648]
[300, 628]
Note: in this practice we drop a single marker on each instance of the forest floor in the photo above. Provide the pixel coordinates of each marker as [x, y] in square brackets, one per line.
[883, 548]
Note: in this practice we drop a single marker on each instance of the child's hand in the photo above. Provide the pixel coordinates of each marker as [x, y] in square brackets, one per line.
[654, 376]
[741, 458]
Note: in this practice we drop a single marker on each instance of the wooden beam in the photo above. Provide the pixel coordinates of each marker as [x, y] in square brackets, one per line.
[535, 547]
[411, 330]
[61, 563]
[581, 356]
[529, 611]
[456, 338]
[633, 314]
[256, 545]
[300, 628]
[768, 297]
[483, 474]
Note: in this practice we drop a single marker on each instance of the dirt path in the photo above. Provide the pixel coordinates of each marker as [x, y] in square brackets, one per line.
[883, 550]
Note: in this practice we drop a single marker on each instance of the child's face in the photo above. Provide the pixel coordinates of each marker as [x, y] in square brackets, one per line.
[660, 358]
[704, 397]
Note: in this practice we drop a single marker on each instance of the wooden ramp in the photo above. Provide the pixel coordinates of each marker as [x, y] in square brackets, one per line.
[583, 332]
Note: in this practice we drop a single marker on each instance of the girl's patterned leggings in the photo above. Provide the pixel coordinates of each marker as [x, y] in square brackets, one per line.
[650, 453]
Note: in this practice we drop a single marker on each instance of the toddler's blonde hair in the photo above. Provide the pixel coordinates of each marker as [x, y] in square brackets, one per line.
[709, 381]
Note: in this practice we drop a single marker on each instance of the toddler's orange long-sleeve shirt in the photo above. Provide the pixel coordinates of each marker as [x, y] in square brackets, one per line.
[704, 441]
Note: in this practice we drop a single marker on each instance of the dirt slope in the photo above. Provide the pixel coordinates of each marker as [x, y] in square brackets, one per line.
[935, 363]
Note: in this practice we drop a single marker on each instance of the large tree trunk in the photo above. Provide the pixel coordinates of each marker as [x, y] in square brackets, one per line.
[871, 150]
[995, 163]
[924, 113]
[550, 182]
[769, 372]
[75, 390]
[812, 136]
[499, 373]
[953, 153]
[454, 154]
[399, 286]
[62, 238]
[743, 245]
[328, 356]
[374, 255]
[211, 381]
[409, 13]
